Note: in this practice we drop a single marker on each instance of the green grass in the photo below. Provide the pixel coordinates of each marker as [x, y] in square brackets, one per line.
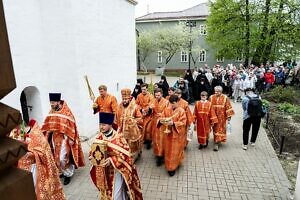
[143, 73]
[173, 73]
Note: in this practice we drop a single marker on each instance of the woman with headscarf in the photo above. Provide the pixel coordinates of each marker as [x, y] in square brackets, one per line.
[136, 91]
[189, 77]
[164, 85]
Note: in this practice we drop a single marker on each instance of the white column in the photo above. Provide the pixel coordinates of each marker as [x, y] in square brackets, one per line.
[297, 191]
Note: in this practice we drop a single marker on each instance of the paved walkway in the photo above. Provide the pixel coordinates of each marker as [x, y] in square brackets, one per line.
[230, 173]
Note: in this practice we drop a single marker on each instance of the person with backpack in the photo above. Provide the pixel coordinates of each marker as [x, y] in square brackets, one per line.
[253, 112]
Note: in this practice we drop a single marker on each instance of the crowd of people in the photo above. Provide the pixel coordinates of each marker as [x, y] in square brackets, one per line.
[161, 120]
[233, 79]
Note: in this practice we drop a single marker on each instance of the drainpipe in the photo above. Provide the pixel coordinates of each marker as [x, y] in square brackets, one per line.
[297, 190]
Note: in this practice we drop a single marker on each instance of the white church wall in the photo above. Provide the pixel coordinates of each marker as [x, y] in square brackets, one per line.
[55, 43]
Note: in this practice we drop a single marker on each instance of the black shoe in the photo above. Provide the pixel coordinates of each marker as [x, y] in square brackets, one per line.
[171, 173]
[200, 146]
[159, 161]
[67, 180]
[148, 144]
[61, 176]
[206, 144]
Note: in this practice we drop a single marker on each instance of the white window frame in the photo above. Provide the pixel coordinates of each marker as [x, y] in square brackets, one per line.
[202, 29]
[202, 52]
[220, 59]
[184, 54]
[159, 56]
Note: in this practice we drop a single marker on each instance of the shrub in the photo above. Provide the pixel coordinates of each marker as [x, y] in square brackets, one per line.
[265, 103]
[289, 108]
[151, 88]
[281, 94]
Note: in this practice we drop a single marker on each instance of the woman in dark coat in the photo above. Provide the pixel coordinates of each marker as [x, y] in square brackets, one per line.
[136, 91]
[164, 85]
[189, 77]
[203, 86]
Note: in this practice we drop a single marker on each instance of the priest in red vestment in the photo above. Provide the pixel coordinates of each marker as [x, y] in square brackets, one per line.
[40, 162]
[205, 117]
[173, 123]
[113, 171]
[223, 109]
[61, 131]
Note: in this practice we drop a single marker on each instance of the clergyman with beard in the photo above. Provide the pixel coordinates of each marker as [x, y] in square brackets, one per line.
[129, 121]
[64, 142]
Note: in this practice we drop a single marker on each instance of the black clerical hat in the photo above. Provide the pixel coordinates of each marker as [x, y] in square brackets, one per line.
[54, 96]
[106, 118]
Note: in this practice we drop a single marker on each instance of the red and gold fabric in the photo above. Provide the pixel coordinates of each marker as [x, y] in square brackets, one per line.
[185, 105]
[157, 133]
[223, 110]
[205, 117]
[48, 185]
[107, 104]
[129, 120]
[145, 102]
[174, 142]
[62, 123]
[117, 151]
[189, 115]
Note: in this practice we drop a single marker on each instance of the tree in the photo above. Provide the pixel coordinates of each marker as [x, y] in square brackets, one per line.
[193, 45]
[260, 30]
[145, 45]
[171, 40]
[226, 28]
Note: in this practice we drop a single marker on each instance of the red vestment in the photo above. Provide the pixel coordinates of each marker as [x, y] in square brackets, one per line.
[48, 185]
[129, 120]
[204, 116]
[62, 123]
[189, 115]
[223, 110]
[120, 160]
[145, 102]
[107, 104]
[175, 141]
[157, 133]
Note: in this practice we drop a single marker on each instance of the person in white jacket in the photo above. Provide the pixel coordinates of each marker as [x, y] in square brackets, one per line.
[237, 88]
[249, 82]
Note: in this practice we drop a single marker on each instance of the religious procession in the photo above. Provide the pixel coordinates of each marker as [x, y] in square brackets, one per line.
[142, 118]
[199, 136]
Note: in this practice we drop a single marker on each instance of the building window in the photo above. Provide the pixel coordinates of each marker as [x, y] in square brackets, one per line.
[220, 59]
[202, 29]
[159, 56]
[202, 56]
[184, 56]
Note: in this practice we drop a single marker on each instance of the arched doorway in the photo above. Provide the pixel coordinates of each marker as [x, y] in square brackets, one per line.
[24, 107]
[31, 104]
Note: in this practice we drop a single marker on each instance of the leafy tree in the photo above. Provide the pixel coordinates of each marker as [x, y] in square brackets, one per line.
[174, 39]
[260, 30]
[145, 45]
[192, 35]
[171, 40]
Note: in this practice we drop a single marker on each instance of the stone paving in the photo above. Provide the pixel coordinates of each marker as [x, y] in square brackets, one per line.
[230, 173]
